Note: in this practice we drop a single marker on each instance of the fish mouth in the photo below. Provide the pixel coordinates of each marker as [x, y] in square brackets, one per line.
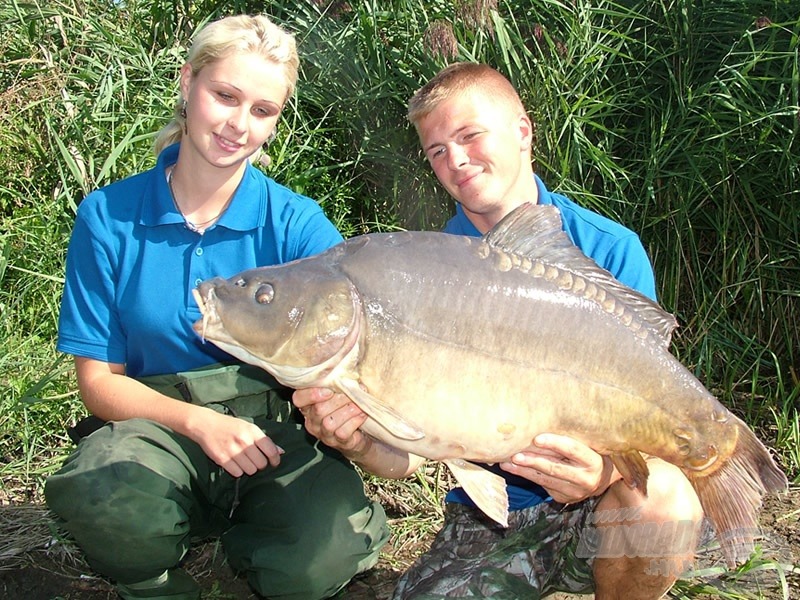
[207, 309]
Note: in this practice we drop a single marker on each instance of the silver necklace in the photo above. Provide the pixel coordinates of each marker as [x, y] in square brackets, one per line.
[190, 225]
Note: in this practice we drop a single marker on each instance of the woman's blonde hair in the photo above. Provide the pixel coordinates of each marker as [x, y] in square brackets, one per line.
[225, 37]
[459, 78]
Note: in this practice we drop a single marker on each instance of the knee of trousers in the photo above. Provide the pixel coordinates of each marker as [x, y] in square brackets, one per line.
[318, 563]
[126, 505]
[134, 470]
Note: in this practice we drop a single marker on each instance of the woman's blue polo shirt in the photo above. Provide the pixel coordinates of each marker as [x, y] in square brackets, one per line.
[612, 246]
[132, 265]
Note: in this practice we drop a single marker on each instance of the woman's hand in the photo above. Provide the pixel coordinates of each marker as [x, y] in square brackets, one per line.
[569, 470]
[237, 446]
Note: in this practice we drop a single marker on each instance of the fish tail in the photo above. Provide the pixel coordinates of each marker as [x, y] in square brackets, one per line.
[731, 495]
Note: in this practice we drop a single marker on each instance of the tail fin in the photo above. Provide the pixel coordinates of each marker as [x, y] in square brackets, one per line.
[731, 495]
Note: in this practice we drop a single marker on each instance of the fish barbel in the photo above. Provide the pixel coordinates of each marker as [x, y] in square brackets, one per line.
[464, 349]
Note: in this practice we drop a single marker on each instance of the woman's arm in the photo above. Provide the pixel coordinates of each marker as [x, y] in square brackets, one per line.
[235, 445]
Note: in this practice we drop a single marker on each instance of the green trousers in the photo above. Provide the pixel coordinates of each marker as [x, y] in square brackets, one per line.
[134, 494]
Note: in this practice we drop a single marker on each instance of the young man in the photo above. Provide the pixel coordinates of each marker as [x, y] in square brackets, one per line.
[575, 525]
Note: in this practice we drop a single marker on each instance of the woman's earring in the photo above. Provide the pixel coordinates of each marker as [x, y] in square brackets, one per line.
[183, 116]
[264, 159]
[270, 139]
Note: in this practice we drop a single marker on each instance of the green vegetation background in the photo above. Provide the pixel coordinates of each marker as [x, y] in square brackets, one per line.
[679, 118]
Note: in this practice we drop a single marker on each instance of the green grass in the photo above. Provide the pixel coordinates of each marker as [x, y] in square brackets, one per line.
[679, 118]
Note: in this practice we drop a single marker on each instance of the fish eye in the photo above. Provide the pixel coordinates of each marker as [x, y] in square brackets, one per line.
[240, 282]
[265, 293]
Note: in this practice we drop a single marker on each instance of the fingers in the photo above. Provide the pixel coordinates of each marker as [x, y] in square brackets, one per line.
[330, 417]
[568, 469]
[562, 486]
[343, 423]
[268, 451]
[254, 458]
[565, 449]
[337, 427]
[307, 397]
[240, 447]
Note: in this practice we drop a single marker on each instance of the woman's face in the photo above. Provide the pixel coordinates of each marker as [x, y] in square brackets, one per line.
[232, 106]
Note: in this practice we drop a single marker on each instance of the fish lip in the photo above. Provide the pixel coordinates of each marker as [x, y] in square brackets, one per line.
[207, 309]
[199, 299]
[694, 465]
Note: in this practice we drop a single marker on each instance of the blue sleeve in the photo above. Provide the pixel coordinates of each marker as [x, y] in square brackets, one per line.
[315, 234]
[627, 260]
[88, 324]
[296, 226]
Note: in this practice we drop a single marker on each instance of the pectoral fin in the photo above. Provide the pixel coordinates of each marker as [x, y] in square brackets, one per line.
[487, 490]
[633, 468]
[385, 416]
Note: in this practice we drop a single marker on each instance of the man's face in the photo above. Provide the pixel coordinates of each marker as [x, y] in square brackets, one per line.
[479, 149]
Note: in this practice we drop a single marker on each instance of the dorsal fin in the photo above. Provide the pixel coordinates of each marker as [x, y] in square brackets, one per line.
[534, 231]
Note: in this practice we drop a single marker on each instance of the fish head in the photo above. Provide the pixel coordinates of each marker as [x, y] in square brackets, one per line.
[298, 320]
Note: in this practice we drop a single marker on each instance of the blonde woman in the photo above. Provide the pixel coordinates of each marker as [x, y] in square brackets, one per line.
[188, 443]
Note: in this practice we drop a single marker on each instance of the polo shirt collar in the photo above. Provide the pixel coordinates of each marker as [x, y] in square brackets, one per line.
[245, 212]
[544, 193]
[465, 226]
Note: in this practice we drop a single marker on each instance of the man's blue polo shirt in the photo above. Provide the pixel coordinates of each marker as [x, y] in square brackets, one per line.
[132, 265]
[612, 246]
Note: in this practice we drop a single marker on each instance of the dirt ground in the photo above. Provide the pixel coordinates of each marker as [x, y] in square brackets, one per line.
[34, 565]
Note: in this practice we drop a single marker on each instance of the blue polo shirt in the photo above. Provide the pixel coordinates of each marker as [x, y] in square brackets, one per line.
[132, 265]
[612, 246]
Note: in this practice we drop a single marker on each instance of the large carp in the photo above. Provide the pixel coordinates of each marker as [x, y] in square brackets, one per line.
[464, 349]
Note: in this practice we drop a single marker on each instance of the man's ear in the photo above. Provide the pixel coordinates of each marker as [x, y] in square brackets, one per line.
[527, 132]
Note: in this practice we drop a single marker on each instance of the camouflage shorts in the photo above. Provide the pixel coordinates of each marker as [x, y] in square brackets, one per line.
[472, 557]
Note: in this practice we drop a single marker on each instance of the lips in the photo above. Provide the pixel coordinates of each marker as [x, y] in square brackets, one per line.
[463, 181]
[227, 144]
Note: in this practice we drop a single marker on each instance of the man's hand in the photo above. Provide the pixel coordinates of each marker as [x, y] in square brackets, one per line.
[569, 470]
[333, 419]
[235, 445]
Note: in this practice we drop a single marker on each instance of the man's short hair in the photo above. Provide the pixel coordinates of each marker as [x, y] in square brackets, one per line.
[459, 78]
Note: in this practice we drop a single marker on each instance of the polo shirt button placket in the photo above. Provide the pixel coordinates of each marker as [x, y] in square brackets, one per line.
[198, 252]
